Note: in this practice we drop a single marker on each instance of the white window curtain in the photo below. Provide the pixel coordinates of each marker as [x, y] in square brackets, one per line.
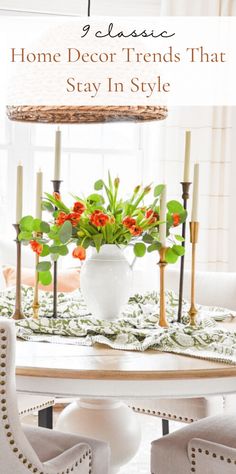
[213, 130]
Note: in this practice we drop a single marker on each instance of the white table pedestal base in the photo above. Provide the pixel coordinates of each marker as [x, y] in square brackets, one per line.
[105, 419]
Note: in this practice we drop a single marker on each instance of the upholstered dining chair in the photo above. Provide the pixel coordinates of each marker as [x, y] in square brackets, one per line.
[212, 289]
[25, 449]
[29, 404]
[206, 447]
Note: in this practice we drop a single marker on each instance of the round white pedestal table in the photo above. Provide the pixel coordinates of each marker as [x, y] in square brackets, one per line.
[100, 377]
[105, 419]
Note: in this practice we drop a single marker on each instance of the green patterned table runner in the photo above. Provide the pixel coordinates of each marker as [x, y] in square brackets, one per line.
[137, 329]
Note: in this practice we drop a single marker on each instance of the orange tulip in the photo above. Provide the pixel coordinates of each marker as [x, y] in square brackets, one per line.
[152, 216]
[57, 196]
[79, 207]
[135, 230]
[79, 252]
[61, 218]
[128, 222]
[99, 219]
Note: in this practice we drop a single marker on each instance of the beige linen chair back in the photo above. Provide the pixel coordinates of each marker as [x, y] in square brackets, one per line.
[28, 449]
[212, 288]
[15, 450]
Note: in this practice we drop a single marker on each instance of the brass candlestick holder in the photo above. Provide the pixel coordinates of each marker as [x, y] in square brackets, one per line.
[56, 189]
[162, 264]
[36, 305]
[185, 197]
[194, 228]
[18, 314]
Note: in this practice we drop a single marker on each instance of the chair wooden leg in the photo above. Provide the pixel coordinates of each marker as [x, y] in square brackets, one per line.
[165, 427]
[45, 418]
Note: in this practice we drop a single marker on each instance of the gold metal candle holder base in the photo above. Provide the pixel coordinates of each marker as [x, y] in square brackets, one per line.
[18, 315]
[36, 307]
[194, 231]
[163, 322]
[193, 312]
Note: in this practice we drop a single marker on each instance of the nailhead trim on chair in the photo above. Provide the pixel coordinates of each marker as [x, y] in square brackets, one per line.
[208, 453]
[47, 404]
[159, 414]
[4, 414]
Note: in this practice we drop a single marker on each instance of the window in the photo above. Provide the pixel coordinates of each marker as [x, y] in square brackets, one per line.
[88, 152]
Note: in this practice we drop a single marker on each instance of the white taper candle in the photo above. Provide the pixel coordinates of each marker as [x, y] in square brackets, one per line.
[39, 193]
[194, 217]
[57, 162]
[163, 217]
[187, 156]
[19, 192]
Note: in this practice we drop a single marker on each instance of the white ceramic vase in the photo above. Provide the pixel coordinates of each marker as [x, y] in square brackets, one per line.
[106, 282]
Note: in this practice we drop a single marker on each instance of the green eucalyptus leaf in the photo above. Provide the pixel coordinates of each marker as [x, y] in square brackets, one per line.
[96, 198]
[63, 250]
[183, 216]
[24, 235]
[43, 266]
[27, 223]
[53, 234]
[158, 189]
[54, 249]
[178, 249]
[175, 207]
[45, 227]
[45, 278]
[154, 247]
[148, 239]
[65, 232]
[45, 251]
[179, 238]
[139, 249]
[36, 225]
[171, 256]
[99, 185]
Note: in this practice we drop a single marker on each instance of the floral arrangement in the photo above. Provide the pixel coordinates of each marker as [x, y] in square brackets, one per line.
[102, 218]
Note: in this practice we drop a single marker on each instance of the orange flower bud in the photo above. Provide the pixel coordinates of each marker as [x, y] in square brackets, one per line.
[57, 196]
[147, 189]
[79, 252]
[137, 189]
[116, 182]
